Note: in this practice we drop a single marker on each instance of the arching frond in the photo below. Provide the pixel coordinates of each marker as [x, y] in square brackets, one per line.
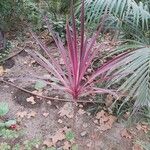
[121, 10]
[136, 67]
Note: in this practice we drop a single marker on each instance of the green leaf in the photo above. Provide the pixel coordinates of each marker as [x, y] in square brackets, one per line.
[70, 135]
[3, 108]
[2, 124]
[74, 147]
[16, 147]
[4, 146]
[9, 123]
[51, 148]
[144, 145]
[9, 134]
[39, 85]
[29, 145]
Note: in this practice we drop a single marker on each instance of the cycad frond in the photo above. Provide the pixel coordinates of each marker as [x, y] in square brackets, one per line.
[136, 67]
[121, 10]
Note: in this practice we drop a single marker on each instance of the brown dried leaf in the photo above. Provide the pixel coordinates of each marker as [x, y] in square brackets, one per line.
[49, 102]
[60, 121]
[126, 134]
[127, 115]
[66, 110]
[21, 114]
[39, 92]
[1, 70]
[109, 100]
[142, 127]
[48, 143]
[105, 121]
[81, 112]
[66, 146]
[137, 147]
[31, 100]
[31, 114]
[100, 114]
[45, 114]
[59, 136]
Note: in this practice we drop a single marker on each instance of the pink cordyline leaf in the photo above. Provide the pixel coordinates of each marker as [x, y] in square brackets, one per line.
[77, 58]
[54, 63]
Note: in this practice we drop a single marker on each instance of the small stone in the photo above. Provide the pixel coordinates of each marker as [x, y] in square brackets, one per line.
[84, 133]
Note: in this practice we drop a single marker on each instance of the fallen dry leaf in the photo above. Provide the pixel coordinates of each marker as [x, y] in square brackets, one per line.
[21, 114]
[59, 136]
[109, 100]
[60, 121]
[66, 146]
[48, 143]
[66, 110]
[31, 100]
[100, 114]
[45, 114]
[126, 134]
[142, 127]
[104, 120]
[137, 147]
[31, 114]
[89, 144]
[81, 106]
[81, 112]
[38, 92]
[127, 115]
[1, 70]
[49, 102]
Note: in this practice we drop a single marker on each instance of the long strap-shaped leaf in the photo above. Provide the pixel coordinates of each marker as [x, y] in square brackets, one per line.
[55, 64]
[100, 90]
[46, 64]
[105, 68]
[61, 49]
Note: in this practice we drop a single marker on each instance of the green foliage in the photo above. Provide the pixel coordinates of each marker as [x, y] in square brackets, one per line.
[9, 134]
[144, 145]
[29, 145]
[119, 11]
[14, 13]
[74, 147]
[9, 123]
[132, 19]
[4, 52]
[4, 146]
[51, 148]
[39, 85]
[3, 108]
[16, 147]
[70, 135]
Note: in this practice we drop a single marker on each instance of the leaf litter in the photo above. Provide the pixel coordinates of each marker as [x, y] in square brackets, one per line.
[104, 120]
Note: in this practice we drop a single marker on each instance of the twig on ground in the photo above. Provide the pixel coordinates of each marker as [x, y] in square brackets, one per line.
[13, 55]
[45, 97]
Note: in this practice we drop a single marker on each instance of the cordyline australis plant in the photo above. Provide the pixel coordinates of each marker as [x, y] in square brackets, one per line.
[77, 58]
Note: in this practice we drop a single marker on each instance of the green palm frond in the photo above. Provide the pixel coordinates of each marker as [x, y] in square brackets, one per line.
[120, 10]
[136, 68]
